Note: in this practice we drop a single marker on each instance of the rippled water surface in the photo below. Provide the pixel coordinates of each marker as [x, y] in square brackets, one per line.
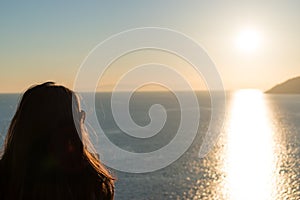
[256, 157]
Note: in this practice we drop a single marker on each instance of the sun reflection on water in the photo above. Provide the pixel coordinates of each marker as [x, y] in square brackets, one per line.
[250, 157]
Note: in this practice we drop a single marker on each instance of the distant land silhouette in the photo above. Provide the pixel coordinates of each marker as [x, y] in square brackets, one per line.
[291, 86]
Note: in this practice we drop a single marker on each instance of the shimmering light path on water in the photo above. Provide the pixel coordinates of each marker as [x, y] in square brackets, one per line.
[250, 161]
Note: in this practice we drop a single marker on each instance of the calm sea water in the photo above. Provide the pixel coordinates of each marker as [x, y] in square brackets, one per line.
[257, 155]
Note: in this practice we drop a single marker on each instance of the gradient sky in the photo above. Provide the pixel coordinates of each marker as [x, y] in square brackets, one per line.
[42, 40]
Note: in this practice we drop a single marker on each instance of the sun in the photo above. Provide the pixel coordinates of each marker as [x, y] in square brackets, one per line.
[249, 40]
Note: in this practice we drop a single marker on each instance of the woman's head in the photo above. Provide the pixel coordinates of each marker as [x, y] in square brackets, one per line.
[44, 143]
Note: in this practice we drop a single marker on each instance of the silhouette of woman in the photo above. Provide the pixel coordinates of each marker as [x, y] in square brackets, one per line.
[45, 157]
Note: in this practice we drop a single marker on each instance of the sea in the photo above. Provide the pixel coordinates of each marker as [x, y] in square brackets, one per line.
[255, 154]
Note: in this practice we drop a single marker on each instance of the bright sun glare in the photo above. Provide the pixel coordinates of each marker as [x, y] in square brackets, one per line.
[249, 40]
[251, 156]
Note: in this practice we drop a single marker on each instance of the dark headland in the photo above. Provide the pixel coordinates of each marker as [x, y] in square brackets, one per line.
[291, 86]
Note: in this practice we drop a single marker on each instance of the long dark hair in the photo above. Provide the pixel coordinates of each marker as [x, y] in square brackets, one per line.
[45, 156]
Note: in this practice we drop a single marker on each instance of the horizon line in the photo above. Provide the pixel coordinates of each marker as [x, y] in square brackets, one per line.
[149, 91]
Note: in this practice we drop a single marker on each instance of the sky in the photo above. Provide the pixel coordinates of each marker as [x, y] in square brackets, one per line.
[253, 44]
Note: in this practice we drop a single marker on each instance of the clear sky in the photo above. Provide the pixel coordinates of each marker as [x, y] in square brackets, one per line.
[254, 44]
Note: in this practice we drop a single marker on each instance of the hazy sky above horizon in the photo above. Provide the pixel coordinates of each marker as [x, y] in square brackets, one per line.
[253, 44]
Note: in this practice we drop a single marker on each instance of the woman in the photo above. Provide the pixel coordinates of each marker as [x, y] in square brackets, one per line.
[46, 153]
